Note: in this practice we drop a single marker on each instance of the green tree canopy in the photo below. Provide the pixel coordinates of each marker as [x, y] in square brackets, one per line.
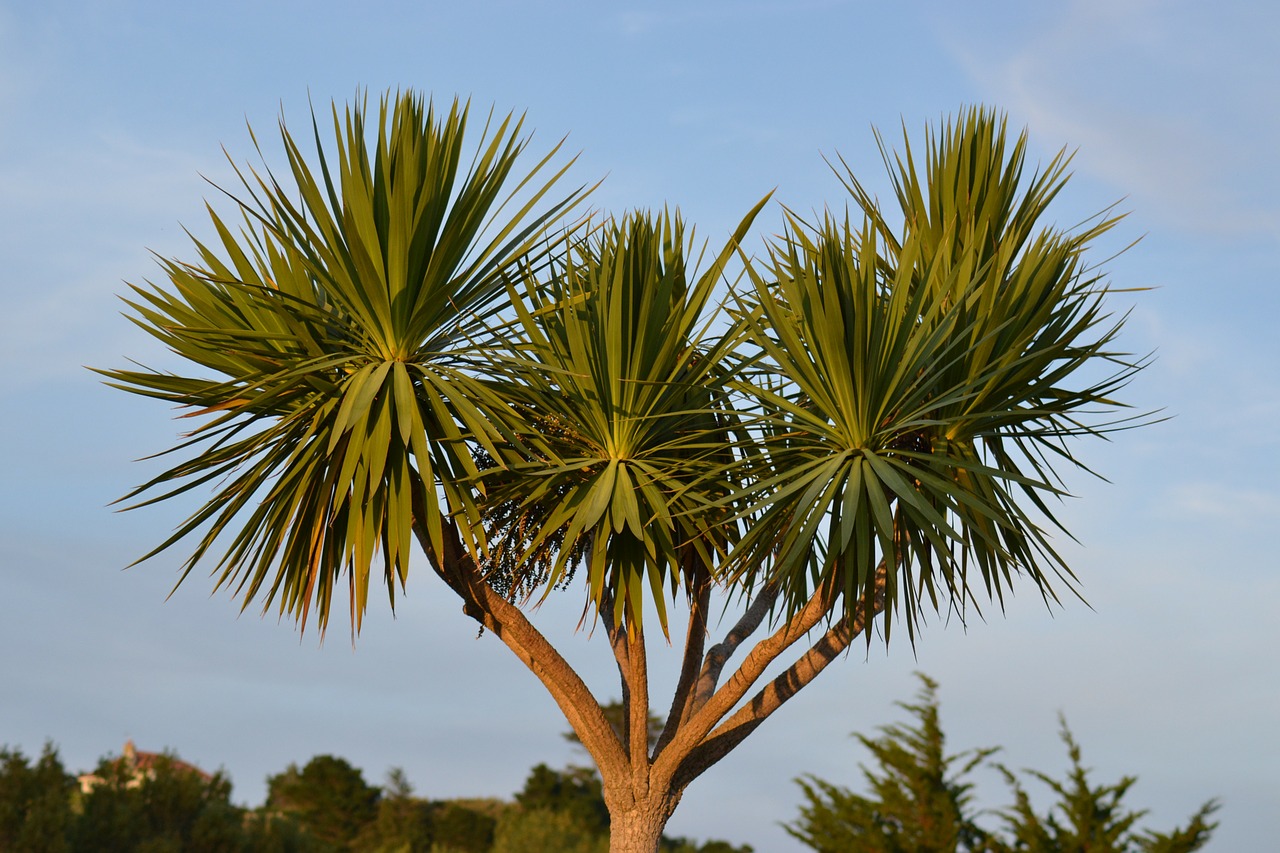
[459, 829]
[919, 800]
[166, 807]
[35, 802]
[403, 821]
[575, 791]
[1092, 817]
[328, 798]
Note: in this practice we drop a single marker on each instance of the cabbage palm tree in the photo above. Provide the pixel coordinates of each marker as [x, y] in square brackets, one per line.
[397, 345]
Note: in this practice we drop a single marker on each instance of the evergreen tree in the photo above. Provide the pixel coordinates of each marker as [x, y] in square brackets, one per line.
[35, 802]
[919, 798]
[574, 791]
[920, 801]
[328, 798]
[1092, 818]
[267, 832]
[542, 830]
[403, 822]
[169, 807]
[455, 828]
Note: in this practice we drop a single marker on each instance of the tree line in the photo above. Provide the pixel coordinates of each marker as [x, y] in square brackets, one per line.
[323, 806]
[917, 799]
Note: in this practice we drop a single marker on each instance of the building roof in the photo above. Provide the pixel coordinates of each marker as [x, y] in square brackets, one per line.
[141, 765]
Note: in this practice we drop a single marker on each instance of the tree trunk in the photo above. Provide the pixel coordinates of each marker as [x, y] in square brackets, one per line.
[637, 830]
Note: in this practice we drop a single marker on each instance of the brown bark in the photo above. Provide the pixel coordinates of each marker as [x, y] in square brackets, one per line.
[720, 653]
[642, 790]
[682, 701]
[639, 830]
[725, 737]
[509, 624]
[724, 698]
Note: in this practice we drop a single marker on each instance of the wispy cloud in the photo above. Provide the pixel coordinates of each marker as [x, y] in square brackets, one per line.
[1114, 79]
[79, 220]
[1217, 502]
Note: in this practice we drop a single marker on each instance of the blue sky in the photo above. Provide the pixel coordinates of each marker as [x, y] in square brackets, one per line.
[114, 112]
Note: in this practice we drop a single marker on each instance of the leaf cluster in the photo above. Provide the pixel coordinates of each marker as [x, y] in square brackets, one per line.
[337, 327]
[397, 344]
[922, 379]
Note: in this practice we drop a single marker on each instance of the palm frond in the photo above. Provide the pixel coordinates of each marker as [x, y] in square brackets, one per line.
[335, 331]
[926, 377]
[621, 378]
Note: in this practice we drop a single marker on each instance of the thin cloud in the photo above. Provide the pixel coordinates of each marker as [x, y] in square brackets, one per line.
[1100, 76]
[1239, 507]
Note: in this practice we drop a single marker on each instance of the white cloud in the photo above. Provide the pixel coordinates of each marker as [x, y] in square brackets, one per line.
[1118, 82]
[80, 220]
[1240, 507]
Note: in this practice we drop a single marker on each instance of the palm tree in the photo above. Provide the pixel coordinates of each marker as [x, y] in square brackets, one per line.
[395, 346]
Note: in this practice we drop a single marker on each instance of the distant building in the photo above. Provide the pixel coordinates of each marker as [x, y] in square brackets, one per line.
[139, 765]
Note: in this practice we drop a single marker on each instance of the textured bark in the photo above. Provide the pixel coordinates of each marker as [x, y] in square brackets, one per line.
[720, 653]
[725, 697]
[640, 829]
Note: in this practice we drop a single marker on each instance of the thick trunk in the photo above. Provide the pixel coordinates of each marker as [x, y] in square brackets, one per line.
[638, 830]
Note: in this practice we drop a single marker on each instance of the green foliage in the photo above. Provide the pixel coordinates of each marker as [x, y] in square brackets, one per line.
[1093, 817]
[167, 807]
[35, 802]
[459, 829]
[328, 798]
[541, 830]
[375, 362]
[267, 832]
[617, 373]
[321, 808]
[919, 798]
[403, 822]
[569, 805]
[335, 335]
[685, 845]
[919, 380]
[575, 791]
[919, 801]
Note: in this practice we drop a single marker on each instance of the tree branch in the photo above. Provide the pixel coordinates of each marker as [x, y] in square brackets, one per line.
[695, 641]
[617, 644]
[777, 692]
[720, 653]
[637, 707]
[764, 653]
[509, 624]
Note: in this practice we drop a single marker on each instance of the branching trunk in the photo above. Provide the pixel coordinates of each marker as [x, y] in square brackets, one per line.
[720, 653]
[642, 790]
